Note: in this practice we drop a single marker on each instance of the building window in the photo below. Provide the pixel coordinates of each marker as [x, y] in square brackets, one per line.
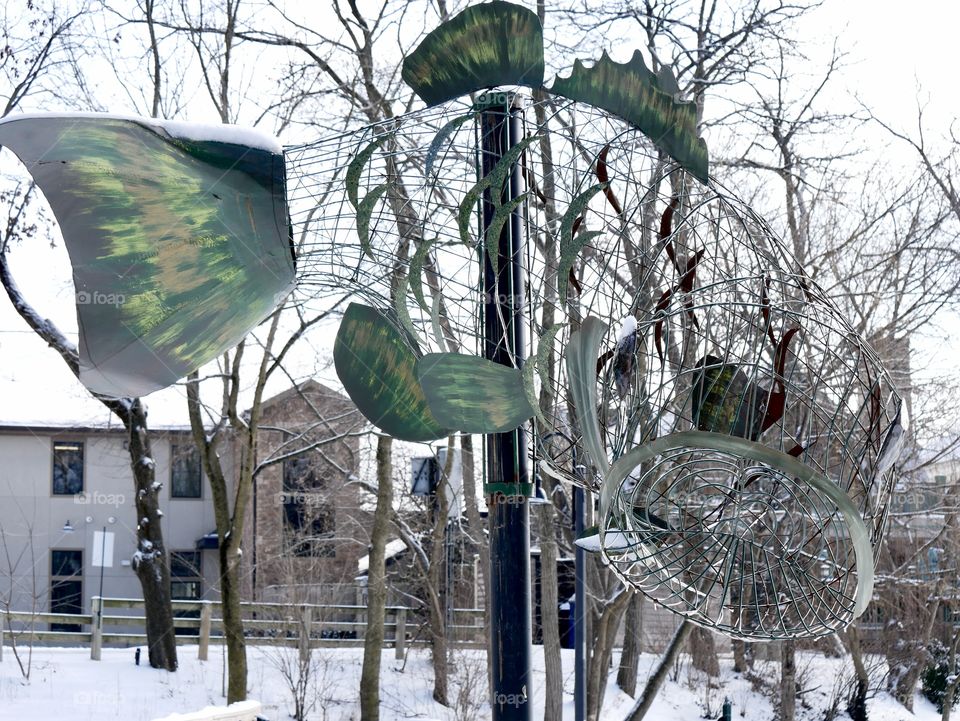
[299, 475]
[309, 528]
[308, 519]
[185, 476]
[186, 584]
[66, 586]
[67, 468]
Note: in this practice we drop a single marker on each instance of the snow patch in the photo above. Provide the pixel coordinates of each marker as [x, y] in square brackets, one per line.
[628, 328]
[218, 133]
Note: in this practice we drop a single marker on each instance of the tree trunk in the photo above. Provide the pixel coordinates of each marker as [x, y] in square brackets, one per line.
[377, 585]
[549, 615]
[150, 563]
[604, 637]
[233, 621]
[438, 585]
[703, 652]
[654, 683]
[742, 661]
[630, 658]
[857, 704]
[788, 681]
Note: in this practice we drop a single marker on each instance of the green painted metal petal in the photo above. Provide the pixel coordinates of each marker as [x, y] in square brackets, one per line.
[859, 535]
[538, 364]
[570, 246]
[631, 91]
[467, 206]
[178, 236]
[376, 365]
[472, 394]
[494, 180]
[582, 352]
[416, 270]
[435, 321]
[440, 138]
[496, 43]
[355, 170]
[500, 217]
[504, 166]
[365, 212]
[400, 305]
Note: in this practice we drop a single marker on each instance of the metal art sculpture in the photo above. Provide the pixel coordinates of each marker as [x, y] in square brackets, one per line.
[740, 434]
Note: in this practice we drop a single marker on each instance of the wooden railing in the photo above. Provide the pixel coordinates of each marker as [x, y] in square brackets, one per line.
[302, 625]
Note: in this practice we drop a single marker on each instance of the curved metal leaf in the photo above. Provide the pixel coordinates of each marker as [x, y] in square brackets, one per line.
[570, 246]
[376, 366]
[500, 171]
[440, 138]
[472, 394]
[500, 217]
[495, 180]
[355, 170]
[582, 352]
[416, 270]
[539, 364]
[186, 232]
[364, 212]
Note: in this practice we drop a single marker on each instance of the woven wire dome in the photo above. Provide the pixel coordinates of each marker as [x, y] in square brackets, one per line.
[741, 433]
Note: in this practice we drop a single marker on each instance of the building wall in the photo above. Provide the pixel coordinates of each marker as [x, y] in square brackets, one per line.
[294, 420]
[32, 518]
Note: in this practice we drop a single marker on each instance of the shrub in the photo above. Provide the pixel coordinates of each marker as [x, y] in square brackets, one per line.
[936, 676]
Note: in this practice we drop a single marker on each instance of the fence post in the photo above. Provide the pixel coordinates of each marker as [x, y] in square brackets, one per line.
[96, 635]
[400, 633]
[206, 612]
[306, 621]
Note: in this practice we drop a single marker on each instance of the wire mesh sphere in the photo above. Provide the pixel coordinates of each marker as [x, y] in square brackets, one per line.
[751, 429]
[742, 432]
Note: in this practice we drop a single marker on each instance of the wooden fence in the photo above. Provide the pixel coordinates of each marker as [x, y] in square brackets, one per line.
[302, 625]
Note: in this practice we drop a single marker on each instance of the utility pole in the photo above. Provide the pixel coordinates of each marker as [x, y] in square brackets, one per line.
[507, 485]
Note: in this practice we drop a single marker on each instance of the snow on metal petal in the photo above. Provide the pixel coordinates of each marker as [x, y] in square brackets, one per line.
[179, 242]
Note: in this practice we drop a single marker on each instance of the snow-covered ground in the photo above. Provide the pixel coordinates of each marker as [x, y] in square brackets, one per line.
[66, 685]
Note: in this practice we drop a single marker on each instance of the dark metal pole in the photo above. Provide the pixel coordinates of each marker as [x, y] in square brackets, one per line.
[579, 608]
[507, 483]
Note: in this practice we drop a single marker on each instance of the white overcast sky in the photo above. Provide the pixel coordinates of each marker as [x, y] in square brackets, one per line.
[898, 52]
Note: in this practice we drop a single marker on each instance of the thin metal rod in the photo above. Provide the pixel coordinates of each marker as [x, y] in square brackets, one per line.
[579, 612]
[508, 480]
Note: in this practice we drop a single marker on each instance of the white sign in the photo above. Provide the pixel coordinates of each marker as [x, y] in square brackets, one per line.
[102, 549]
